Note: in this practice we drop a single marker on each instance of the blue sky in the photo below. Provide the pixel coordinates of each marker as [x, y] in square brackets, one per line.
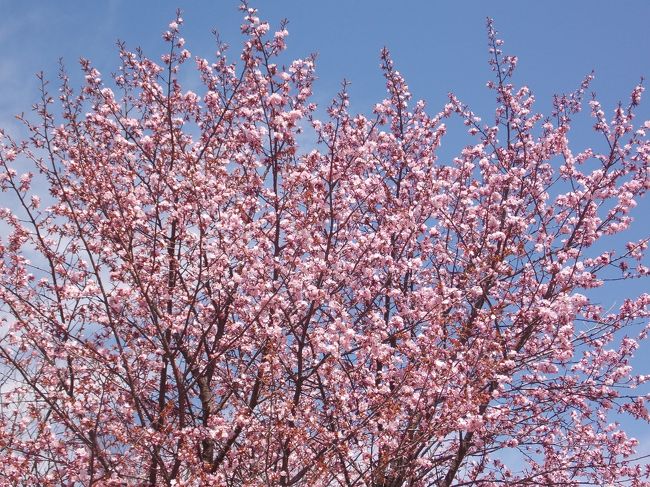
[438, 46]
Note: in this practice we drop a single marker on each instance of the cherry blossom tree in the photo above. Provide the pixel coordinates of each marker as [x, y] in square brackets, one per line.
[198, 300]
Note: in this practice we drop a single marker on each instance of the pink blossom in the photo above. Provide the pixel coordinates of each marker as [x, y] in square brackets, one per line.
[225, 289]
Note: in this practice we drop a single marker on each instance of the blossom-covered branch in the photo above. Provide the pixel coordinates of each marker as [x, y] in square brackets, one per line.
[191, 295]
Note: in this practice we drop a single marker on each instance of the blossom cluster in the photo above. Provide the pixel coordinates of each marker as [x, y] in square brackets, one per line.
[202, 299]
